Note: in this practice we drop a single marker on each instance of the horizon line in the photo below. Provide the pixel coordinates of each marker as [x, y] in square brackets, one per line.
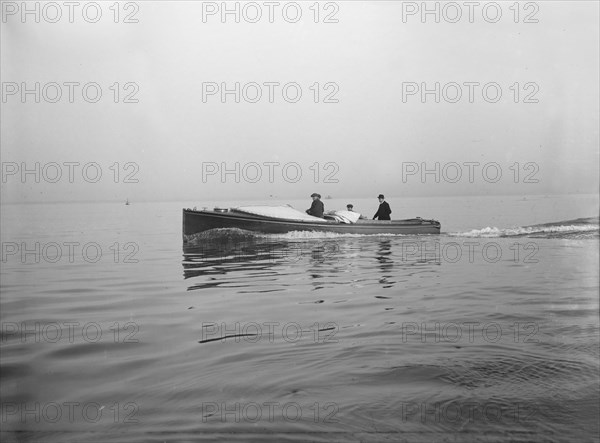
[297, 198]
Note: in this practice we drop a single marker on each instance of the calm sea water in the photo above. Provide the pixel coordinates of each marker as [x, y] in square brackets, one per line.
[111, 330]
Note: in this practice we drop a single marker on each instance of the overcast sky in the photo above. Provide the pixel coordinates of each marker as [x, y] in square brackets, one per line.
[371, 138]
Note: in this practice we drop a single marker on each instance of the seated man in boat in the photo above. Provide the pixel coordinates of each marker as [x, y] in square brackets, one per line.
[350, 207]
[384, 211]
[316, 208]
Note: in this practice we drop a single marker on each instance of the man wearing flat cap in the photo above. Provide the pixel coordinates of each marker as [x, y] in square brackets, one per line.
[384, 211]
[350, 208]
[316, 208]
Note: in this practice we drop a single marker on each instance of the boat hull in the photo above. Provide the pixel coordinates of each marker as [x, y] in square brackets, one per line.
[195, 222]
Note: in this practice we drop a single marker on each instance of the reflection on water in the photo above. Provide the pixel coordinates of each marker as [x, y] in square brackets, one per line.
[231, 253]
[386, 264]
[227, 256]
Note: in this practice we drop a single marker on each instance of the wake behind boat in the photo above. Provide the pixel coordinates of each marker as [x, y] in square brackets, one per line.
[283, 219]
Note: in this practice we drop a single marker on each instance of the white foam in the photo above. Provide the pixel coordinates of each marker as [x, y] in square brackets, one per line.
[509, 232]
[300, 235]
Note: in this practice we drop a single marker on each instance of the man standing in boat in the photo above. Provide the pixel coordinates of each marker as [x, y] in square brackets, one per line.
[316, 208]
[384, 211]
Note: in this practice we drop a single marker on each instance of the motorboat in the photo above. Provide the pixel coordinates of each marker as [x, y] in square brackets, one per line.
[283, 219]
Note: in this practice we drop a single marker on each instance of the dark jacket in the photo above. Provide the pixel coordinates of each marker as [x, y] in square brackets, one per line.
[383, 212]
[316, 209]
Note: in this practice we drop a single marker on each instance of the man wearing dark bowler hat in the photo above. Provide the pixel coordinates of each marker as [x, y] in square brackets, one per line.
[316, 208]
[384, 211]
